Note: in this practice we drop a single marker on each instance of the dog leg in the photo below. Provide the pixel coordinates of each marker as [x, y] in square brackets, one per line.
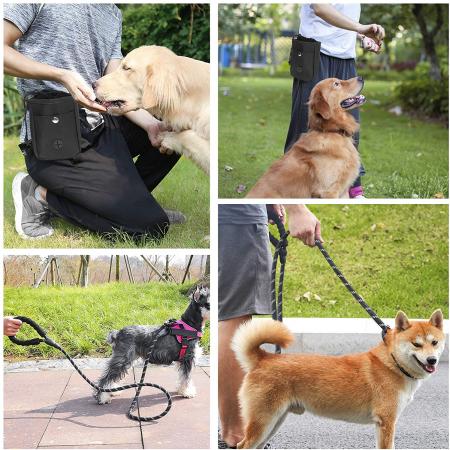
[185, 385]
[187, 143]
[385, 432]
[115, 370]
[261, 428]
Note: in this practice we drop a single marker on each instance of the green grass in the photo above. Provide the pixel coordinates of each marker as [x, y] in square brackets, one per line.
[186, 189]
[403, 157]
[395, 256]
[80, 318]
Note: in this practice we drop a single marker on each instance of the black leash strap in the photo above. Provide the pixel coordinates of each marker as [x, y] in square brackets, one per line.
[280, 253]
[352, 291]
[47, 340]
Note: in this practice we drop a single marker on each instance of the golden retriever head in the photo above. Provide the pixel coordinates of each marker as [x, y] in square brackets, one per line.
[329, 101]
[148, 77]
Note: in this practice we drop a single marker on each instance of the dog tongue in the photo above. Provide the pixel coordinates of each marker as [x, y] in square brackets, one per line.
[429, 368]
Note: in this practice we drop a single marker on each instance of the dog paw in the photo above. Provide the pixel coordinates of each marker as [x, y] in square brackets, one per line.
[165, 150]
[103, 398]
[189, 392]
[168, 143]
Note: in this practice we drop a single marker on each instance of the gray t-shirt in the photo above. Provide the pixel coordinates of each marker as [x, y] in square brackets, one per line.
[82, 37]
[242, 214]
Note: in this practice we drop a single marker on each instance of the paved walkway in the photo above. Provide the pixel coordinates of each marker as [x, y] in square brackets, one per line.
[55, 409]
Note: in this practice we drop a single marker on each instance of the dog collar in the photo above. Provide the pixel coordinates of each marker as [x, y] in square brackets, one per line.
[402, 369]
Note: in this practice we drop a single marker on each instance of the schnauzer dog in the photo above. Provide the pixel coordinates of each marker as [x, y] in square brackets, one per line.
[177, 341]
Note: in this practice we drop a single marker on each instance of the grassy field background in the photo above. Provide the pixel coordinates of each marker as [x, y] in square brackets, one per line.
[395, 256]
[403, 157]
[80, 318]
[186, 189]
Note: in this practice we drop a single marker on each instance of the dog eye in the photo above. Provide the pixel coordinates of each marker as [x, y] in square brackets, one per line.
[126, 68]
[434, 343]
[416, 344]
[336, 83]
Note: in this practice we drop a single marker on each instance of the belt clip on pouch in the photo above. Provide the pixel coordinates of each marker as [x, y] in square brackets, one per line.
[55, 127]
[304, 58]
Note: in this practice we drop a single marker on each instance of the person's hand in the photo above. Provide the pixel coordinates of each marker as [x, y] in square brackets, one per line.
[11, 326]
[373, 31]
[81, 92]
[154, 131]
[369, 45]
[279, 212]
[304, 225]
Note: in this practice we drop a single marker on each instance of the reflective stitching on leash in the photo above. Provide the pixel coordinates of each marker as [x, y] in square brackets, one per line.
[280, 253]
[352, 291]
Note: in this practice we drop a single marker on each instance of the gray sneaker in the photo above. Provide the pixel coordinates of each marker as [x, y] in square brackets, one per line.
[32, 217]
[175, 216]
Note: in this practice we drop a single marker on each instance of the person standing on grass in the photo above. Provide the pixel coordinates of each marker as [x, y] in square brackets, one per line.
[64, 48]
[336, 26]
[245, 263]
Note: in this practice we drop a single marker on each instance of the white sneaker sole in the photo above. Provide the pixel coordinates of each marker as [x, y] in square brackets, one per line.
[18, 205]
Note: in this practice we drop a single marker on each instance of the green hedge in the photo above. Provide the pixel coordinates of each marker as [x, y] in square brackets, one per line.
[184, 28]
[419, 93]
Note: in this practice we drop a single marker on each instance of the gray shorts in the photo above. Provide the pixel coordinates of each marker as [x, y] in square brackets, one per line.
[244, 270]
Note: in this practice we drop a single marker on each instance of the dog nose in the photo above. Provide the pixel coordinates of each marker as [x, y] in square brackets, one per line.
[432, 360]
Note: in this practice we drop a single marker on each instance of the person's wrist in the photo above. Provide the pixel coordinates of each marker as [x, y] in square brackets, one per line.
[59, 75]
[360, 29]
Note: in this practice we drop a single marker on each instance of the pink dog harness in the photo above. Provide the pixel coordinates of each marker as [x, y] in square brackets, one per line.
[184, 333]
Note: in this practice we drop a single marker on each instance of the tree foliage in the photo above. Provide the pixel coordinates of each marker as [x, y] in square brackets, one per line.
[184, 28]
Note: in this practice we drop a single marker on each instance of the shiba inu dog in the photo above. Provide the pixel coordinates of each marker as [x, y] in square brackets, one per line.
[372, 387]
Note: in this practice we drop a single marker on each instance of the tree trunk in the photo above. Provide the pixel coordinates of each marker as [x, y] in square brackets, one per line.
[428, 36]
[84, 271]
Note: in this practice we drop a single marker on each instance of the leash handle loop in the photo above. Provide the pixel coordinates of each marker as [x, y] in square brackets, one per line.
[36, 327]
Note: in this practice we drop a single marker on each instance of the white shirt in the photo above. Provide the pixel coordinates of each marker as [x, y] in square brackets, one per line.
[334, 41]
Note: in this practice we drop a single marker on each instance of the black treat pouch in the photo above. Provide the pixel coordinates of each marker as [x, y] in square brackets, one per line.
[304, 58]
[55, 126]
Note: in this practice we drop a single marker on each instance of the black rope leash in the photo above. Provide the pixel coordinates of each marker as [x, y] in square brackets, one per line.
[280, 253]
[356, 296]
[50, 342]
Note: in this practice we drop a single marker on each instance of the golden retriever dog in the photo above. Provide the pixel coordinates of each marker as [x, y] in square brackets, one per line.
[323, 163]
[173, 88]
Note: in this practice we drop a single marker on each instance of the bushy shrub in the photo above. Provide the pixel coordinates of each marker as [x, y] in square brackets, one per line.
[184, 28]
[419, 93]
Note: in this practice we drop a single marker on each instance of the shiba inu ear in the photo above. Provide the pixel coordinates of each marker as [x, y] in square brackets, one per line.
[437, 319]
[401, 321]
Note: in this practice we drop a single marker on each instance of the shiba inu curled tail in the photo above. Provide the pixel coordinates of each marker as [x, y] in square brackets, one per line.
[371, 387]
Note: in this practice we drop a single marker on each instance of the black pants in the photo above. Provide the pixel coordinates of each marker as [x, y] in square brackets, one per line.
[102, 188]
[330, 67]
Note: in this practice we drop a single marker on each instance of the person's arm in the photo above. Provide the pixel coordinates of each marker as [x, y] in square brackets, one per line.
[141, 118]
[18, 65]
[303, 224]
[332, 16]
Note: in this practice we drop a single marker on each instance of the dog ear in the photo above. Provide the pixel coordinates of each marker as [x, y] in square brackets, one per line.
[437, 319]
[401, 321]
[164, 85]
[196, 294]
[320, 106]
